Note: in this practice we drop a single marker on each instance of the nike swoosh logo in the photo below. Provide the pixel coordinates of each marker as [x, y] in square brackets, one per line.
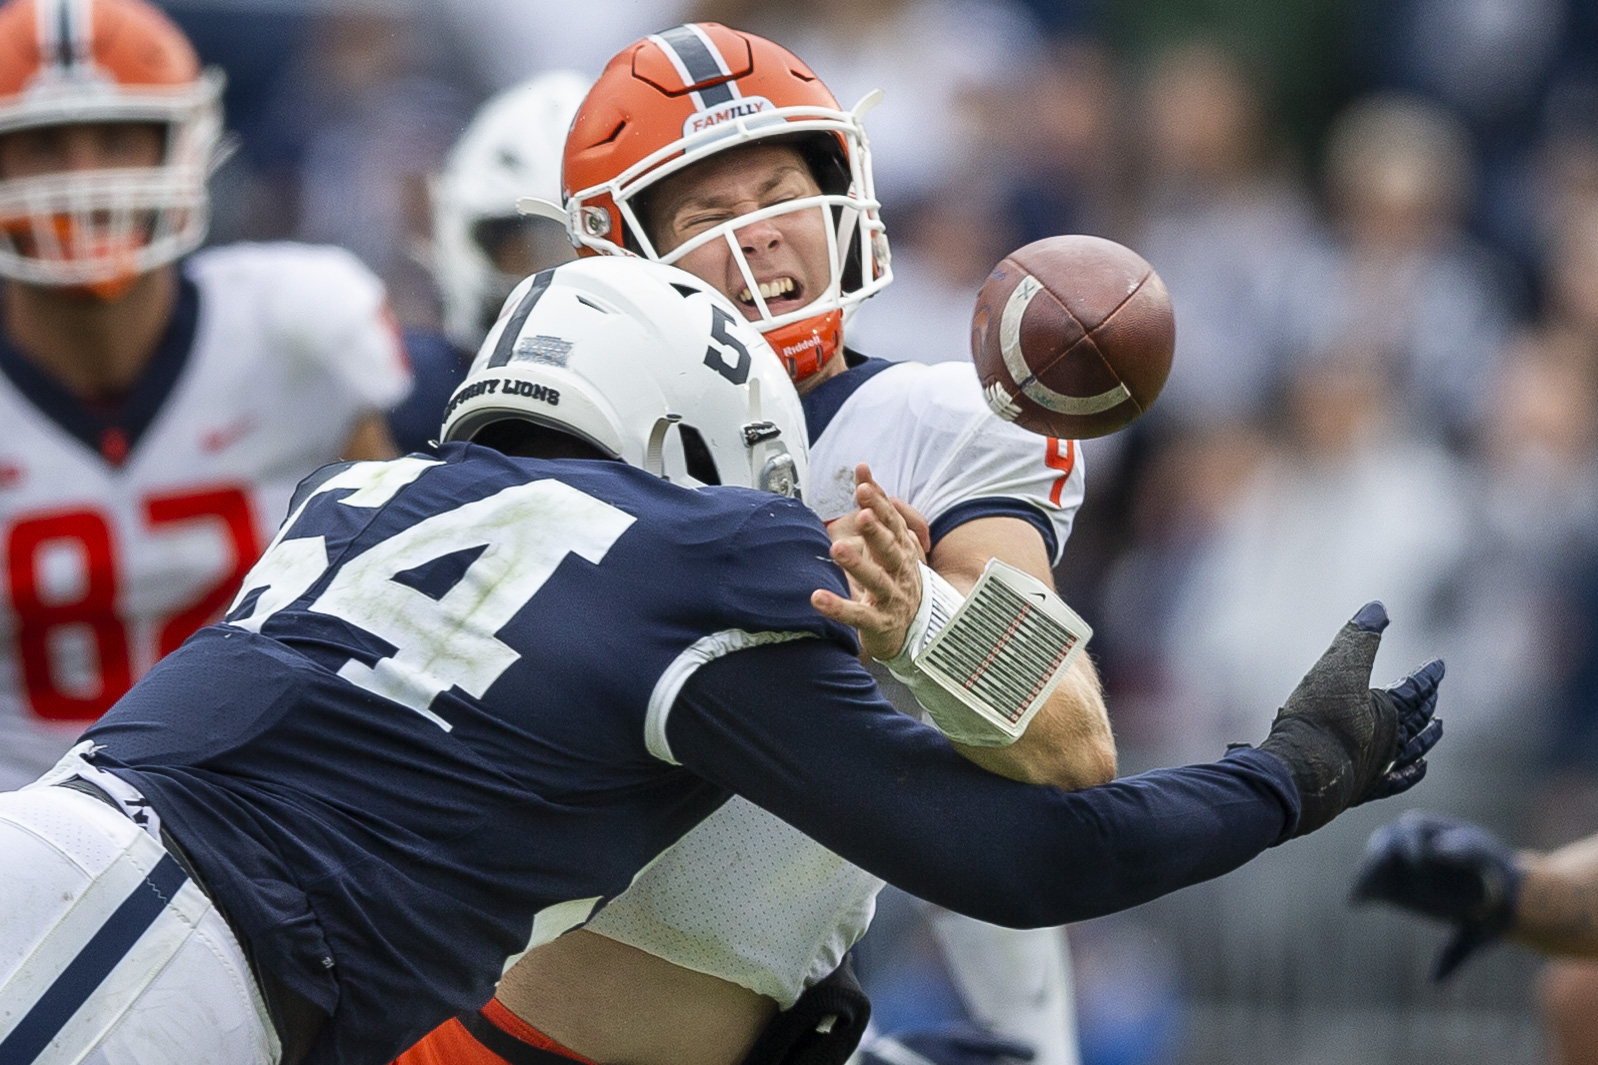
[221, 439]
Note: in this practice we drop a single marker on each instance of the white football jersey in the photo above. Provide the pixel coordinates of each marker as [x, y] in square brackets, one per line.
[125, 530]
[744, 896]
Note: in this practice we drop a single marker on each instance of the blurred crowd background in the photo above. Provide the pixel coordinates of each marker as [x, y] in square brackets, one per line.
[1378, 221]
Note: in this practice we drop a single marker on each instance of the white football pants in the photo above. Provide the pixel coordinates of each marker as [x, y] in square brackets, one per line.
[109, 953]
[1016, 981]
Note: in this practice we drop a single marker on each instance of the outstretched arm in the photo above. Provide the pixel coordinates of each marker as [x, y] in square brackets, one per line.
[824, 752]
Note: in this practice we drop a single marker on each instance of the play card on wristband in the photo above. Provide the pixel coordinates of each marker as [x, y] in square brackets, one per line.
[984, 674]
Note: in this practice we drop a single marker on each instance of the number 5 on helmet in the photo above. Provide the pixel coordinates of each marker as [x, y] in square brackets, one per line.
[646, 363]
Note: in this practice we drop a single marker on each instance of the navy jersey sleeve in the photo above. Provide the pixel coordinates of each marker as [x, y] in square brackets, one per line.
[768, 570]
[757, 581]
[799, 729]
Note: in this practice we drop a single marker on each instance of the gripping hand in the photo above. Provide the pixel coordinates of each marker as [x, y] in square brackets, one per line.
[1347, 743]
[1446, 869]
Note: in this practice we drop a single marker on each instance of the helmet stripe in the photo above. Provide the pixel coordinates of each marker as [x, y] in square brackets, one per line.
[64, 32]
[697, 59]
[64, 49]
[507, 340]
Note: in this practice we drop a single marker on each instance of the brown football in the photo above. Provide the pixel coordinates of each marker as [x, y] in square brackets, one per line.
[1072, 336]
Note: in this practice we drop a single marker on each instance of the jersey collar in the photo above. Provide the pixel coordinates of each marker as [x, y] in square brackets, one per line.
[824, 401]
[113, 430]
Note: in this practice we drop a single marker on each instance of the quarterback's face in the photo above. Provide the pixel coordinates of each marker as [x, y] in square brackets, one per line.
[786, 252]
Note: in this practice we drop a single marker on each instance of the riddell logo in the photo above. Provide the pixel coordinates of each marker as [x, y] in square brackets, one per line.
[790, 351]
[743, 107]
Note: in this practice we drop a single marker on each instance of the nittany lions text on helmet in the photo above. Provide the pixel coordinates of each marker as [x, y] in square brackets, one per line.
[105, 61]
[648, 364]
[682, 95]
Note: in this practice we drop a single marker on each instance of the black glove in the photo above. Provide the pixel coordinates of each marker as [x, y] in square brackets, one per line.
[1451, 870]
[1347, 743]
[960, 1045]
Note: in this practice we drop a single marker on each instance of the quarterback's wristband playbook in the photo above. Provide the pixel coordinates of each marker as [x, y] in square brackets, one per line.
[982, 665]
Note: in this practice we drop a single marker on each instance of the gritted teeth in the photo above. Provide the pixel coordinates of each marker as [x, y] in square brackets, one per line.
[769, 290]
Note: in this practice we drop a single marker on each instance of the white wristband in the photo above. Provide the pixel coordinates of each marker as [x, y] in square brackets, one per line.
[982, 665]
[939, 601]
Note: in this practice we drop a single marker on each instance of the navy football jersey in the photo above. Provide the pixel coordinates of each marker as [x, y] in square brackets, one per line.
[461, 701]
[436, 662]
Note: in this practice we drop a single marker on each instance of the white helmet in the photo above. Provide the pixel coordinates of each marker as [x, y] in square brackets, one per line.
[512, 149]
[113, 61]
[645, 362]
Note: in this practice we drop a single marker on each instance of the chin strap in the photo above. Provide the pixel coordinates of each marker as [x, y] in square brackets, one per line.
[805, 347]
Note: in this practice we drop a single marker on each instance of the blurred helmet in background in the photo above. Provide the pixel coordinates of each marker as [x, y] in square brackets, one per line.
[73, 62]
[481, 246]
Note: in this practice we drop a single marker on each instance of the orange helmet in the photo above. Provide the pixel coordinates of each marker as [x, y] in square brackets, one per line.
[672, 99]
[64, 62]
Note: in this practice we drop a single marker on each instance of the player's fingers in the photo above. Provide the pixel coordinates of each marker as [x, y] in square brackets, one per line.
[1413, 721]
[1418, 720]
[851, 556]
[881, 635]
[865, 571]
[902, 521]
[1356, 645]
[846, 525]
[916, 524]
[1350, 656]
[1372, 617]
[1419, 686]
[892, 547]
[893, 520]
[872, 500]
[1421, 742]
[844, 611]
[866, 490]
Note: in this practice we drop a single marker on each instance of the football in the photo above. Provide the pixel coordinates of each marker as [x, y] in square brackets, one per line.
[1072, 336]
